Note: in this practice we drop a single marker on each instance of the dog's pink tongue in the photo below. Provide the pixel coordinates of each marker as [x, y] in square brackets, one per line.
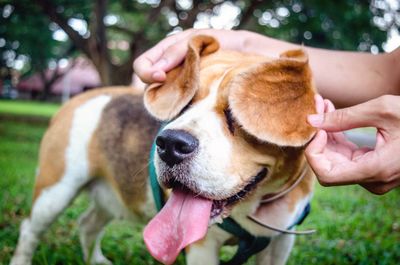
[182, 221]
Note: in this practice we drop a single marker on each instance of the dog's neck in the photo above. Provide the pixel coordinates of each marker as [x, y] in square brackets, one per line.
[270, 197]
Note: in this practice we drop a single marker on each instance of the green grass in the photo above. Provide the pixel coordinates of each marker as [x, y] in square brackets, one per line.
[354, 226]
[28, 108]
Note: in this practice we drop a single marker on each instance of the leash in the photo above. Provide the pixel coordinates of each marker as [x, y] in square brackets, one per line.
[278, 195]
[273, 197]
[248, 244]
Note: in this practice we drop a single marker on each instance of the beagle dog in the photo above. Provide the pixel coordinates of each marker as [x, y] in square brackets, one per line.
[234, 134]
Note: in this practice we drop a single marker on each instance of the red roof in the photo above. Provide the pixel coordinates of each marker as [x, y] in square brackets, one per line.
[81, 75]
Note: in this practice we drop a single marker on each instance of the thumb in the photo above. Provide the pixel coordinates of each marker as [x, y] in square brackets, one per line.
[362, 115]
[173, 56]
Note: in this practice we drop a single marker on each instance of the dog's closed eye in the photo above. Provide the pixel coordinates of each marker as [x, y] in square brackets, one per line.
[186, 108]
[229, 120]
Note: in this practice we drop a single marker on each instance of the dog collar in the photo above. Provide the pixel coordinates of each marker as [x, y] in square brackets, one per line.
[272, 197]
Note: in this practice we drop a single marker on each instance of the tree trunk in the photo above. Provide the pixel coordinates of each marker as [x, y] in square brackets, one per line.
[103, 67]
[122, 74]
[46, 91]
[98, 43]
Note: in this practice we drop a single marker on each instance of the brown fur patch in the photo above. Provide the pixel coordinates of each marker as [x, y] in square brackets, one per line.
[125, 136]
[165, 101]
[271, 100]
[55, 140]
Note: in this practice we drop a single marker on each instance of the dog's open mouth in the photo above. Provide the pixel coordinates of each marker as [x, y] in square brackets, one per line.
[185, 219]
[219, 206]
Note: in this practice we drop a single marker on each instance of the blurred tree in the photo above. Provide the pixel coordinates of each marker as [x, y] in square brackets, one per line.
[112, 33]
[343, 25]
[26, 40]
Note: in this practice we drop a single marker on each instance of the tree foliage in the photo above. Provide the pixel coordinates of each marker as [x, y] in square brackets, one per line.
[27, 37]
[115, 32]
[343, 25]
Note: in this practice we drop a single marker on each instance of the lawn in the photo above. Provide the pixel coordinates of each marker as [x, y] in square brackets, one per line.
[31, 108]
[354, 226]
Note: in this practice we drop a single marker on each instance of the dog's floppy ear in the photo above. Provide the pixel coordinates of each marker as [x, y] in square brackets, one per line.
[165, 101]
[271, 100]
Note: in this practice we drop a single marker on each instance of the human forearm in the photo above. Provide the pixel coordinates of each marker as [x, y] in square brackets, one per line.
[347, 78]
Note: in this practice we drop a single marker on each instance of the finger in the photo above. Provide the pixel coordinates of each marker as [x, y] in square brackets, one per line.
[319, 106]
[345, 171]
[314, 152]
[362, 115]
[340, 138]
[380, 188]
[329, 107]
[175, 53]
[319, 103]
[333, 137]
[173, 56]
[144, 65]
[359, 152]
[334, 168]
[152, 65]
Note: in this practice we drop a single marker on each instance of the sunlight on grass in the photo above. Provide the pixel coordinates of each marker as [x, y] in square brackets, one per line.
[31, 108]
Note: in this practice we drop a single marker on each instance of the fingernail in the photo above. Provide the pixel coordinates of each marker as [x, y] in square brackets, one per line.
[158, 76]
[160, 64]
[315, 120]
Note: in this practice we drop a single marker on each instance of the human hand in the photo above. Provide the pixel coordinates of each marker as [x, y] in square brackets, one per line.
[153, 65]
[337, 161]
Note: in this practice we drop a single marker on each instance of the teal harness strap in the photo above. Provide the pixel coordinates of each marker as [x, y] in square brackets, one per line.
[158, 194]
[248, 244]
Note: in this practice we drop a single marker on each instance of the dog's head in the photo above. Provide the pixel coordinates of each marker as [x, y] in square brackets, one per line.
[228, 116]
[233, 122]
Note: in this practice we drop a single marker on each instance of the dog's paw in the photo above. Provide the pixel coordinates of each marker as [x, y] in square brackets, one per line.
[100, 260]
[20, 260]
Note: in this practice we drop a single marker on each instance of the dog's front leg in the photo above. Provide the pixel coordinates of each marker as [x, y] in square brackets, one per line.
[206, 251]
[277, 252]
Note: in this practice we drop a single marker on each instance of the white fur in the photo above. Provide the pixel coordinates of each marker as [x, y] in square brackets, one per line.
[208, 169]
[91, 224]
[54, 199]
[277, 252]
[207, 251]
[108, 201]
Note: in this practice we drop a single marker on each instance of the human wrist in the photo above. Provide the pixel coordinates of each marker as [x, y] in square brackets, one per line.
[260, 44]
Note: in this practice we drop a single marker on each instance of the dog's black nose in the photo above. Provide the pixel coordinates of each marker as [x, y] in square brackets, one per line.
[173, 146]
